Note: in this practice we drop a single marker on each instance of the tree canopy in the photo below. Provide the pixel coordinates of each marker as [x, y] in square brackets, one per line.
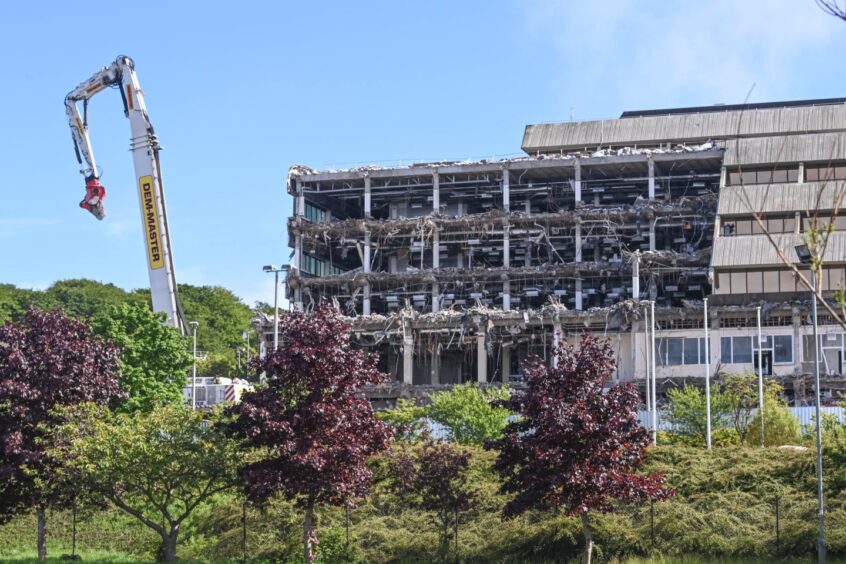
[576, 446]
[154, 357]
[157, 466]
[313, 425]
[47, 361]
[223, 317]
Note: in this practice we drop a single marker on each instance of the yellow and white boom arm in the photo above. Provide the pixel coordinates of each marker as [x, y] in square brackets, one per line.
[145, 154]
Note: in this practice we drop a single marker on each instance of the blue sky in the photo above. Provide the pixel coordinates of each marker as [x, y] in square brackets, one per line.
[240, 91]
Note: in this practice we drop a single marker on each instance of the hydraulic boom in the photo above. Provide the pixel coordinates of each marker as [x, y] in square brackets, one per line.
[145, 153]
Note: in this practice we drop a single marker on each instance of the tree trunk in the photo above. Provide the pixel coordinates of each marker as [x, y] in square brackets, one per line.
[309, 538]
[588, 532]
[42, 533]
[445, 536]
[169, 545]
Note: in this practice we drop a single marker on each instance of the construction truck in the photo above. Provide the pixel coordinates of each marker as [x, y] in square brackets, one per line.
[145, 149]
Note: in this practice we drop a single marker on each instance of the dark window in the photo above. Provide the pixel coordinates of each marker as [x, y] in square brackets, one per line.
[783, 348]
[725, 350]
[742, 350]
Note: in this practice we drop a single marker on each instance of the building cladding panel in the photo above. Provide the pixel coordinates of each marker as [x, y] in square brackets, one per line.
[696, 127]
[456, 271]
[781, 198]
[757, 250]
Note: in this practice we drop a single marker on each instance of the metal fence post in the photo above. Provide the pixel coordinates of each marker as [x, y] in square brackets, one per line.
[778, 530]
[652, 520]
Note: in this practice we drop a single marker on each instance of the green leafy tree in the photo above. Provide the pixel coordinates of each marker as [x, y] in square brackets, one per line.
[471, 415]
[86, 298]
[780, 425]
[216, 364]
[158, 467]
[408, 418]
[154, 357]
[222, 316]
[15, 301]
[687, 413]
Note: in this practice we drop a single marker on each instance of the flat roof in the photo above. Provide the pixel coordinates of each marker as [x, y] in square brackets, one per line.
[732, 107]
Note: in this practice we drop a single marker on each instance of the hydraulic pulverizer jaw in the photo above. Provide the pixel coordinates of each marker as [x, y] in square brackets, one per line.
[95, 193]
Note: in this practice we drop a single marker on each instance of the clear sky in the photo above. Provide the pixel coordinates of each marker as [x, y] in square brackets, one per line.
[240, 91]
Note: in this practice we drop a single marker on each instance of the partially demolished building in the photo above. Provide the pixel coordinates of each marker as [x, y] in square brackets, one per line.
[456, 271]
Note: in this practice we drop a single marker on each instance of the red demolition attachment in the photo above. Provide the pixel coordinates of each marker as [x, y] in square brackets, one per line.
[95, 193]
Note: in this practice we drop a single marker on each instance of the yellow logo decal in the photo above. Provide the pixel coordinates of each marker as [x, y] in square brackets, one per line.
[151, 223]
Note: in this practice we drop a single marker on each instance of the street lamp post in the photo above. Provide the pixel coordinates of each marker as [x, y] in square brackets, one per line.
[275, 271]
[806, 257]
[194, 325]
[707, 376]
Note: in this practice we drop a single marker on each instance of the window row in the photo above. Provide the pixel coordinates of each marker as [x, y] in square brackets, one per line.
[769, 175]
[315, 214]
[743, 350]
[751, 226]
[318, 267]
[825, 173]
[677, 351]
[774, 281]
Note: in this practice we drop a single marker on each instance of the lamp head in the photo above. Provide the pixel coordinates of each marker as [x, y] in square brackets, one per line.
[804, 254]
[269, 268]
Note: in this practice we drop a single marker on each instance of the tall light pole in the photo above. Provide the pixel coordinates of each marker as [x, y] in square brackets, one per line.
[275, 271]
[760, 377]
[654, 376]
[707, 379]
[806, 257]
[194, 325]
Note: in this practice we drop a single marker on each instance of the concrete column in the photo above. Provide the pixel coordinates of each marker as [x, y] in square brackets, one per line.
[801, 178]
[636, 276]
[718, 227]
[366, 264]
[506, 364]
[506, 189]
[506, 247]
[723, 177]
[460, 211]
[506, 295]
[436, 193]
[578, 242]
[797, 223]
[651, 164]
[365, 309]
[459, 259]
[298, 251]
[436, 301]
[367, 196]
[481, 358]
[578, 180]
[652, 235]
[300, 211]
[797, 341]
[578, 294]
[435, 362]
[556, 341]
[408, 355]
[527, 205]
[298, 299]
[436, 248]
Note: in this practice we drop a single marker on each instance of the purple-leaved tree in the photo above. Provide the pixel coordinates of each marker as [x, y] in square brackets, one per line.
[433, 477]
[576, 446]
[47, 361]
[317, 427]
